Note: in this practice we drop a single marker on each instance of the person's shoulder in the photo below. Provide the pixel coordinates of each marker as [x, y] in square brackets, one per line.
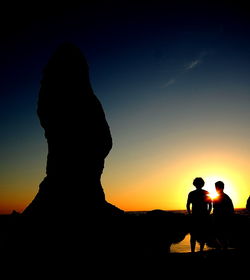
[192, 192]
[205, 192]
[226, 196]
[191, 195]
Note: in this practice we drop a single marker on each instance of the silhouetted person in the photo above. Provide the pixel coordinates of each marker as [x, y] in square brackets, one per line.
[201, 208]
[223, 211]
[248, 204]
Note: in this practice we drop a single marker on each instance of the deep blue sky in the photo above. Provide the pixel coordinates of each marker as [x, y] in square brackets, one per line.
[163, 72]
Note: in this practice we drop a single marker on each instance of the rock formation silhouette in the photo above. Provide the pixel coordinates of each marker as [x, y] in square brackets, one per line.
[78, 138]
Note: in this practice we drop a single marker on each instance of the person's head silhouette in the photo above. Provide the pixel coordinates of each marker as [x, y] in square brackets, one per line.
[198, 183]
[219, 186]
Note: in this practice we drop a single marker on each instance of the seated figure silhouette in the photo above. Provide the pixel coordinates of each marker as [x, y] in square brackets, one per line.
[78, 138]
[223, 211]
[201, 208]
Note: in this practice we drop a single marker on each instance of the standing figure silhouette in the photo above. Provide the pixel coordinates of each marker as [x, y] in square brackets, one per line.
[201, 208]
[248, 204]
[223, 211]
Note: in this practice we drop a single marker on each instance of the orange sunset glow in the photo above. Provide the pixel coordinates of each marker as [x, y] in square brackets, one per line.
[144, 178]
[166, 185]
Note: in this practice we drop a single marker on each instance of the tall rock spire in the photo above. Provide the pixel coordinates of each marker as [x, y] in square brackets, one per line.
[78, 138]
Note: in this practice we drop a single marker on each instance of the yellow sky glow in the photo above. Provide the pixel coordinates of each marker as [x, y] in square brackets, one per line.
[149, 180]
[166, 185]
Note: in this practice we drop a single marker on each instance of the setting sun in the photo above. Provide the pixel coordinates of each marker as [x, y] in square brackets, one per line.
[210, 185]
[229, 186]
[213, 195]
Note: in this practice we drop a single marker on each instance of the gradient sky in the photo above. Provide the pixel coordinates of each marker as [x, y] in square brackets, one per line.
[174, 83]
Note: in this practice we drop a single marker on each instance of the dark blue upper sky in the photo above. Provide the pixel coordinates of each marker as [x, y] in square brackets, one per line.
[152, 63]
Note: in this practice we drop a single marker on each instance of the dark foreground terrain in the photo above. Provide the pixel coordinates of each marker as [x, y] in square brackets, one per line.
[132, 241]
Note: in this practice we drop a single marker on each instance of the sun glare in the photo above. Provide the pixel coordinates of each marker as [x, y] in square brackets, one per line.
[213, 194]
[210, 185]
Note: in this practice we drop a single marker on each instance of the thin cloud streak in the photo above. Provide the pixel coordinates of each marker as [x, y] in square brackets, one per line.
[190, 66]
[169, 83]
[193, 64]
